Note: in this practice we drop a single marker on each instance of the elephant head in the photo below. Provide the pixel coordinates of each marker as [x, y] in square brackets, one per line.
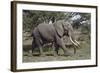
[65, 28]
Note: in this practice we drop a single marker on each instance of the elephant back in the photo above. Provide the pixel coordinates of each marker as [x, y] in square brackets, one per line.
[46, 31]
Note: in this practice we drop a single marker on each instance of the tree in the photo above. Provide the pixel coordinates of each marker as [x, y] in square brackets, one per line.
[32, 18]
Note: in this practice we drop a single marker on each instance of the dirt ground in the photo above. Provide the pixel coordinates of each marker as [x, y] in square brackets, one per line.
[83, 53]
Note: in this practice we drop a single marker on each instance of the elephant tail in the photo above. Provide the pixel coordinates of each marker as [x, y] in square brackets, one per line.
[33, 40]
[31, 34]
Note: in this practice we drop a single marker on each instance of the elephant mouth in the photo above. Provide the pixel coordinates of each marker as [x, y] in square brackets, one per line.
[65, 33]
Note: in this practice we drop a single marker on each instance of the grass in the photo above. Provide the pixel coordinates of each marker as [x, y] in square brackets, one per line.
[82, 53]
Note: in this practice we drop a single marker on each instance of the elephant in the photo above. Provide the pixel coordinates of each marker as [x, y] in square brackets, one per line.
[45, 33]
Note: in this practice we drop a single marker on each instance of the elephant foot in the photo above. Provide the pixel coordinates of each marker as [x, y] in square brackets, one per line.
[55, 55]
[42, 55]
[68, 54]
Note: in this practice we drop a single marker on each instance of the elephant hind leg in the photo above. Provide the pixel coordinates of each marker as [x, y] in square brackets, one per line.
[39, 44]
[55, 49]
[41, 51]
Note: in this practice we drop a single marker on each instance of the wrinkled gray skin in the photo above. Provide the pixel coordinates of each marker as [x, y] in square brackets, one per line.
[52, 33]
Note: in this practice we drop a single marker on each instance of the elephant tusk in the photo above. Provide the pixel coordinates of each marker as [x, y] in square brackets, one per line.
[77, 42]
[73, 41]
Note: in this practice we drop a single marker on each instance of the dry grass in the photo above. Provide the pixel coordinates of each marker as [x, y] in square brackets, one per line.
[84, 52]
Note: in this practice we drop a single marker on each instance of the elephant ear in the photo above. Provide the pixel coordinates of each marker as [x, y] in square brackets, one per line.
[59, 28]
[70, 29]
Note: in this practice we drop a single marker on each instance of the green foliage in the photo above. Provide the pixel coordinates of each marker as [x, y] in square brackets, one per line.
[87, 16]
[33, 18]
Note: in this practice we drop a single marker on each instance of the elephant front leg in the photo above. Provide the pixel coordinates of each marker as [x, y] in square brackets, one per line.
[66, 51]
[62, 45]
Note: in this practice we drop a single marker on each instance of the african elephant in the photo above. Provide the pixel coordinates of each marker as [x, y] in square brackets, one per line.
[45, 33]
